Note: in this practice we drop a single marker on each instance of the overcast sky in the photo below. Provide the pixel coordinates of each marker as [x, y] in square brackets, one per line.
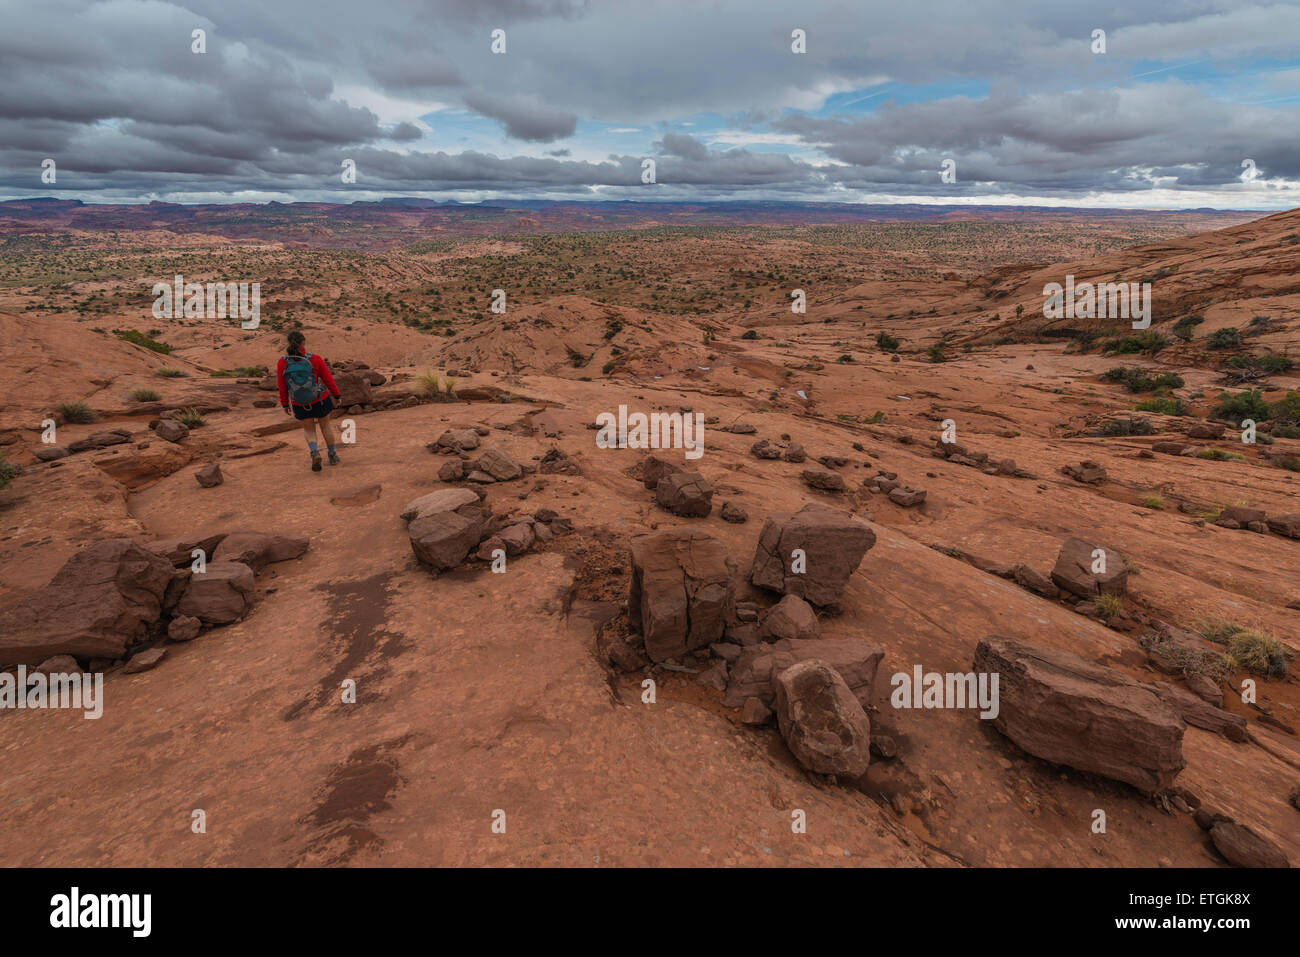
[410, 90]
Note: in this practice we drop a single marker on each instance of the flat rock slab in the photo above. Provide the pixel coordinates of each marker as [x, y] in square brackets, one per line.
[1063, 709]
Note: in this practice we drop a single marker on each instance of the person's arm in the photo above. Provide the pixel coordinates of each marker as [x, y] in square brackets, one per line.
[281, 384]
[323, 373]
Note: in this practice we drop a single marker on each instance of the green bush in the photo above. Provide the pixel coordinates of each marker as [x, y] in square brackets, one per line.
[1128, 425]
[1244, 405]
[76, 412]
[1164, 405]
[935, 352]
[191, 418]
[167, 372]
[1224, 339]
[140, 339]
[1148, 341]
[886, 342]
[1138, 380]
[1184, 326]
[144, 395]
[750, 334]
[8, 471]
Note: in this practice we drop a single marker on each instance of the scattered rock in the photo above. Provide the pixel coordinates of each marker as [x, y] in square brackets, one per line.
[1059, 707]
[172, 431]
[221, 595]
[210, 476]
[1088, 472]
[457, 440]
[1035, 581]
[681, 593]
[1244, 848]
[687, 494]
[654, 469]
[443, 500]
[452, 470]
[832, 543]
[822, 722]
[103, 600]
[755, 712]
[145, 660]
[907, 497]
[791, 617]
[753, 673]
[184, 628]
[1074, 570]
[48, 453]
[824, 479]
[500, 465]
[259, 549]
[443, 538]
[736, 514]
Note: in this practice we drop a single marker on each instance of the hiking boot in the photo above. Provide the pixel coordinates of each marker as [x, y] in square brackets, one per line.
[315, 461]
[334, 458]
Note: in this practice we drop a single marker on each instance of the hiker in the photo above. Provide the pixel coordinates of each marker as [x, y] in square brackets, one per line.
[307, 390]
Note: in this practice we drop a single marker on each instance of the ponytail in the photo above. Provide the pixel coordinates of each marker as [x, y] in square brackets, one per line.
[296, 340]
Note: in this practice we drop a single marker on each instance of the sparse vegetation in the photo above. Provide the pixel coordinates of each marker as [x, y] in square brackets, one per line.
[1164, 405]
[1218, 455]
[1136, 379]
[1127, 425]
[886, 342]
[144, 395]
[76, 412]
[1242, 405]
[1223, 339]
[749, 334]
[191, 418]
[1184, 326]
[1153, 502]
[140, 339]
[8, 471]
[167, 372]
[1110, 606]
[935, 352]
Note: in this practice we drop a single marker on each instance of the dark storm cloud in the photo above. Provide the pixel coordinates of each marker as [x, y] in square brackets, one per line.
[111, 89]
[524, 117]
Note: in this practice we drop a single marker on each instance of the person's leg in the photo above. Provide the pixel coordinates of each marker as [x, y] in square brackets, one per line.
[309, 431]
[327, 433]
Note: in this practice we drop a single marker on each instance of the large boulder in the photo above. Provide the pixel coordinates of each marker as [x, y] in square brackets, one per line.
[443, 500]
[354, 389]
[1074, 570]
[180, 551]
[104, 599]
[682, 591]
[259, 549]
[754, 672]
[1061, 708]
[444, 539]
[832, 542]
[222, 594]
[822, 722]
[687, 494]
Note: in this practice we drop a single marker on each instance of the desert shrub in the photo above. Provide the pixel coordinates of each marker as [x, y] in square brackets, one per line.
[1217, 629]
[8, 471]
[252, 372]
[749, 334]
[886, 342]
[167, 372]
[1223, 339]
[1243, 405]
[140, 339]
[1288, 462]
[191, 418]
[145, 395]
[876, 418]
[1128, 425]
[1257, 651]
[1153, 502]
[608, 367]
[1218, 455]
[1110, 606]
[935, 352]
[1164, 405]
[1184, 326]
[1139, 380]
[845, 358]
[428, 384]
[1147, 341]
[613, 327]
[1286, 410]
[76, 412]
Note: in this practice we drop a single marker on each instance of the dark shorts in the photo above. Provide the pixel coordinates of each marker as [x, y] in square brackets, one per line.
[317, 410]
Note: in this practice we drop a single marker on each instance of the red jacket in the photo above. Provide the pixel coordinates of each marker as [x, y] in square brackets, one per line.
[322, 375]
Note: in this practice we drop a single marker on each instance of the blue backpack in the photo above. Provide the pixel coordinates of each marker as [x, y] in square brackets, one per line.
[300, 378]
